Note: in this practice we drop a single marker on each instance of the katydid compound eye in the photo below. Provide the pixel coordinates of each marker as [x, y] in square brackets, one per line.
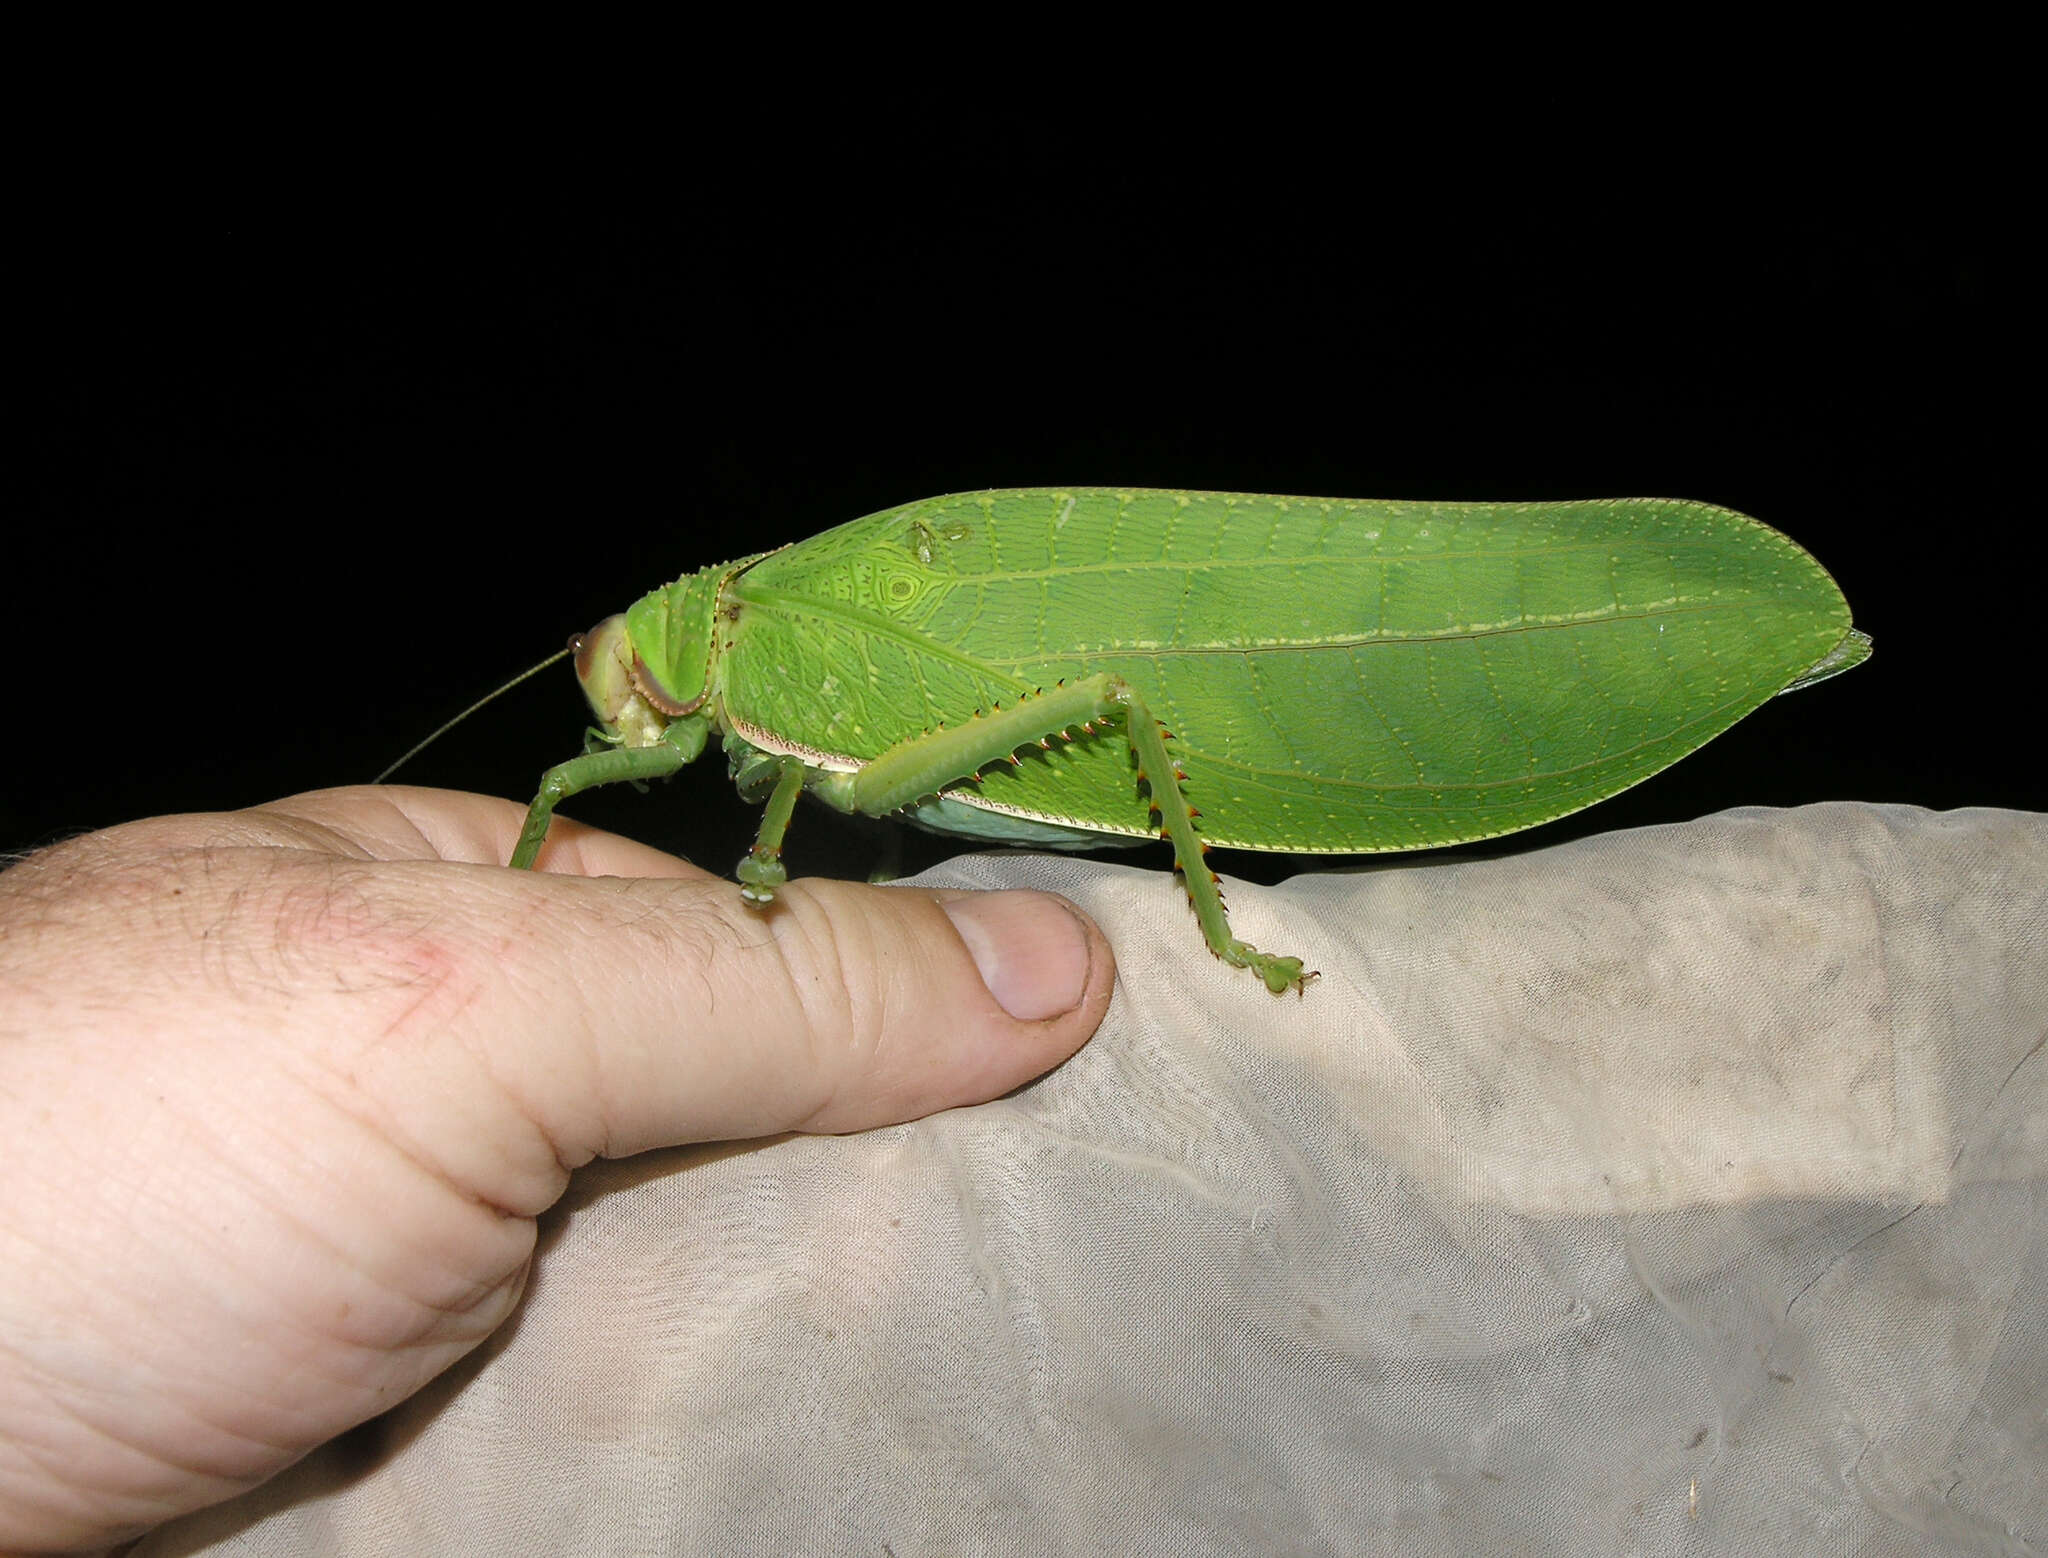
[587, 646]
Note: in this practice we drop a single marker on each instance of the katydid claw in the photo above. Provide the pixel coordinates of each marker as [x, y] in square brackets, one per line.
[1284, 974]
[760, 872]
[1281, 974]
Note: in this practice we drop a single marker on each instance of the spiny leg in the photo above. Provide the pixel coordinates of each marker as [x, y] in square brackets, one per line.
[1170, 807]
[924, 765]
[914, 769]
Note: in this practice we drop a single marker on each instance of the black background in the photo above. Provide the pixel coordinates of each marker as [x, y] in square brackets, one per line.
[298, 486]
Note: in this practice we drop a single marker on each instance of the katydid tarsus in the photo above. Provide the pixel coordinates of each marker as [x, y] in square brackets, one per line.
[1067, 667]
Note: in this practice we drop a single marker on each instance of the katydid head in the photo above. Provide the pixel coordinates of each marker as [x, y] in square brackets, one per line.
[605, 667]
[645, 672]
[653, 667]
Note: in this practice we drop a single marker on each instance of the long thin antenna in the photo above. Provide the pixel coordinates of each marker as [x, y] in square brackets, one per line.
[531, 671]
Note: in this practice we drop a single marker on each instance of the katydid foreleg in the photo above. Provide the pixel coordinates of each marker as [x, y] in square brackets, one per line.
[914, 769]
[681, 743]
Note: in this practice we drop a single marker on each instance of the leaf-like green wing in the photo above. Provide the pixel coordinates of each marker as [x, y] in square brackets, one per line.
[1340, 676]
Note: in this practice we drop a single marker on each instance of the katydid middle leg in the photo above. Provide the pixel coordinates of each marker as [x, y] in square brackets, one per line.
[762, 870]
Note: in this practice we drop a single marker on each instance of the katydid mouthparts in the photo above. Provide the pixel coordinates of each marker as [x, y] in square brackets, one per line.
[1069, 667]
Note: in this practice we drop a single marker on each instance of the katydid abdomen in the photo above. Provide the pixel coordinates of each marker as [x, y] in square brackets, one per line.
[1336, 676]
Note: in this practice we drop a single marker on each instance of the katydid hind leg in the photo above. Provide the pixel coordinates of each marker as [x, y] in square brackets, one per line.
[917, 768]
[1170, 809]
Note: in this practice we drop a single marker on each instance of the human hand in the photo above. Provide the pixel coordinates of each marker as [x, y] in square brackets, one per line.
[284, 1090]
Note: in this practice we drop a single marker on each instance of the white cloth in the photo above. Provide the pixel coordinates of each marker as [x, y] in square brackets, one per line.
[1682, 1190]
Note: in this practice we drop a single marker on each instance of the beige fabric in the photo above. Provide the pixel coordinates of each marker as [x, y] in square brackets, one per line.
[1675, 1191]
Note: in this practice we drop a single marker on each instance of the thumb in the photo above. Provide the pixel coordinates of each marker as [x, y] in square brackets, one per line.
[622, 1000]
[840, 1007]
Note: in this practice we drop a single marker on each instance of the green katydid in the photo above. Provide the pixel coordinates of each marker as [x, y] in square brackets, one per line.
[1299, 674]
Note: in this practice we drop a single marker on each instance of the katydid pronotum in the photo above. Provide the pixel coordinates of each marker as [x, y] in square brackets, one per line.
[1067, 667]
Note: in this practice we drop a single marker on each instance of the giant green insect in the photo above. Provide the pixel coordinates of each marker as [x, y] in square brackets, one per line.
[1066, 667]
